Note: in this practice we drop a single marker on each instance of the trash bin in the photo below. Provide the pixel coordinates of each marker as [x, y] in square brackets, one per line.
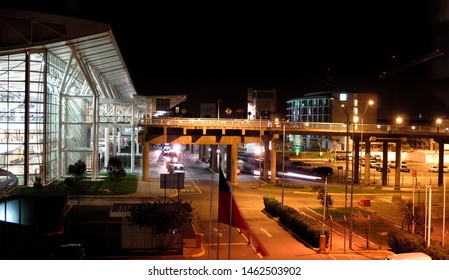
[323, 243]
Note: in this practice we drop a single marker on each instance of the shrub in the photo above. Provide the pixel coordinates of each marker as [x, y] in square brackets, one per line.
[305, 227]
[401, 241]
[271, 205]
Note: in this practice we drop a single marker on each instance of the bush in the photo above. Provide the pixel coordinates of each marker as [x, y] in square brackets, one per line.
[437, 252]
[308, 229]
[271, 205]
[401, 241]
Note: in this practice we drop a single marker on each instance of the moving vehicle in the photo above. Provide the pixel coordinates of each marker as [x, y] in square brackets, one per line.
[178, 168]
[409, 256]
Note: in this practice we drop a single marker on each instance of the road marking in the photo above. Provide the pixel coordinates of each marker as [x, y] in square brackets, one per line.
[266, 232]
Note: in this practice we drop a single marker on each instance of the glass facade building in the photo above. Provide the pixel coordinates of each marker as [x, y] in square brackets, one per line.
[65, 95]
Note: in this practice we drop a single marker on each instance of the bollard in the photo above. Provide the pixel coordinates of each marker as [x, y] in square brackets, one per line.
[198, 240]
[323, 242]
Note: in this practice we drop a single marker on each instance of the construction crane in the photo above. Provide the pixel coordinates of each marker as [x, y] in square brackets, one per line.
[390, 74]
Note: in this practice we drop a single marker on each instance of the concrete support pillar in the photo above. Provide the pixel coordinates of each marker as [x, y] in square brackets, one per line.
[397, 165]
[356, 161]
[440, 163]
[114, 141]
[214, 157]
[266, 159]
[119, 141]
[273, 160]
[367, 158]
[201, 153]
[145, 161]
[106, 149]
[232, 163]
[384, 163]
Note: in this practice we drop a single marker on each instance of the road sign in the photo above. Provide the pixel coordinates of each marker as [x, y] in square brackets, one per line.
[172, 181]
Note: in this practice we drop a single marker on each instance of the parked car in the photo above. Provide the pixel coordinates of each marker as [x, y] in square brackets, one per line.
[391, 164]
[379, 168]
[404, 168]
[323, 170]
[377, 157]
[299, 164]
[340, 157]
[434, 168]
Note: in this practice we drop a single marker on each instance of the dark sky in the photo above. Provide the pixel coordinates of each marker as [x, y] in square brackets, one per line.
[212, 52]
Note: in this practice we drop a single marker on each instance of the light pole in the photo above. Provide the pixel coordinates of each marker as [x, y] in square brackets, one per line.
[260, 141]
[351, 206]
[370, 103]
[283, 162]
[347, 149]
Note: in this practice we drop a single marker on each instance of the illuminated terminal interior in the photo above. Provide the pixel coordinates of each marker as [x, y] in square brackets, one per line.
[66, 95]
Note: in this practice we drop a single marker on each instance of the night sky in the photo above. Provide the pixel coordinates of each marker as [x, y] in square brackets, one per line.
[212, 52]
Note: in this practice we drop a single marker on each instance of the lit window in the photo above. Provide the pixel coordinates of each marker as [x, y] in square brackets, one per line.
[343, 97]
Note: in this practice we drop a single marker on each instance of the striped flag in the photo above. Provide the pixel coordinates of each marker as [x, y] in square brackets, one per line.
[229, 213]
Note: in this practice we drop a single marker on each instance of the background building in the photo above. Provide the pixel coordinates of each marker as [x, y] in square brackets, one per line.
[263, 101]
[330, 107]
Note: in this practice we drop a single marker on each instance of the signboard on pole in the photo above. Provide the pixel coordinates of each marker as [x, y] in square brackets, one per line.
[172, 181]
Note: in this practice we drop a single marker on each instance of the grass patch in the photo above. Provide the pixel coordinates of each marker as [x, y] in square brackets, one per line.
[126, 186]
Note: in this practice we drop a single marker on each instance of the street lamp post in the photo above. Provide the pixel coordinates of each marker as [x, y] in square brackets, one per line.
[351, 206]
[283, 162]
[370, 103]
[347, 150]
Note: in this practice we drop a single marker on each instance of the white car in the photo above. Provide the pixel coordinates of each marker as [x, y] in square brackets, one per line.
[178, 168]
[434, 168]
[409, 256]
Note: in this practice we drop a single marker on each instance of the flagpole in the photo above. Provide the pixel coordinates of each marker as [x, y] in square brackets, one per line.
[218, 228]
[230, 222]
[210, 216]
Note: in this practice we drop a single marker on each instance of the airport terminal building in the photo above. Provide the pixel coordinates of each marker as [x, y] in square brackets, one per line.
[66, 95]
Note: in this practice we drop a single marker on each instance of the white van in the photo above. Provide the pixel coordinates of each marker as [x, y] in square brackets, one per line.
[409, 256]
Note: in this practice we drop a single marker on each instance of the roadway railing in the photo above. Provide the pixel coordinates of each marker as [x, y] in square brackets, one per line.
[308, 126]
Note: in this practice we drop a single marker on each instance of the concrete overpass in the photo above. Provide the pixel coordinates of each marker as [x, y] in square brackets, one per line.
[232, 132]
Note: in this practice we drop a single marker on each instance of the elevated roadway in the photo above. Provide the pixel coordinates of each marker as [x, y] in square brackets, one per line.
[232, 132]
